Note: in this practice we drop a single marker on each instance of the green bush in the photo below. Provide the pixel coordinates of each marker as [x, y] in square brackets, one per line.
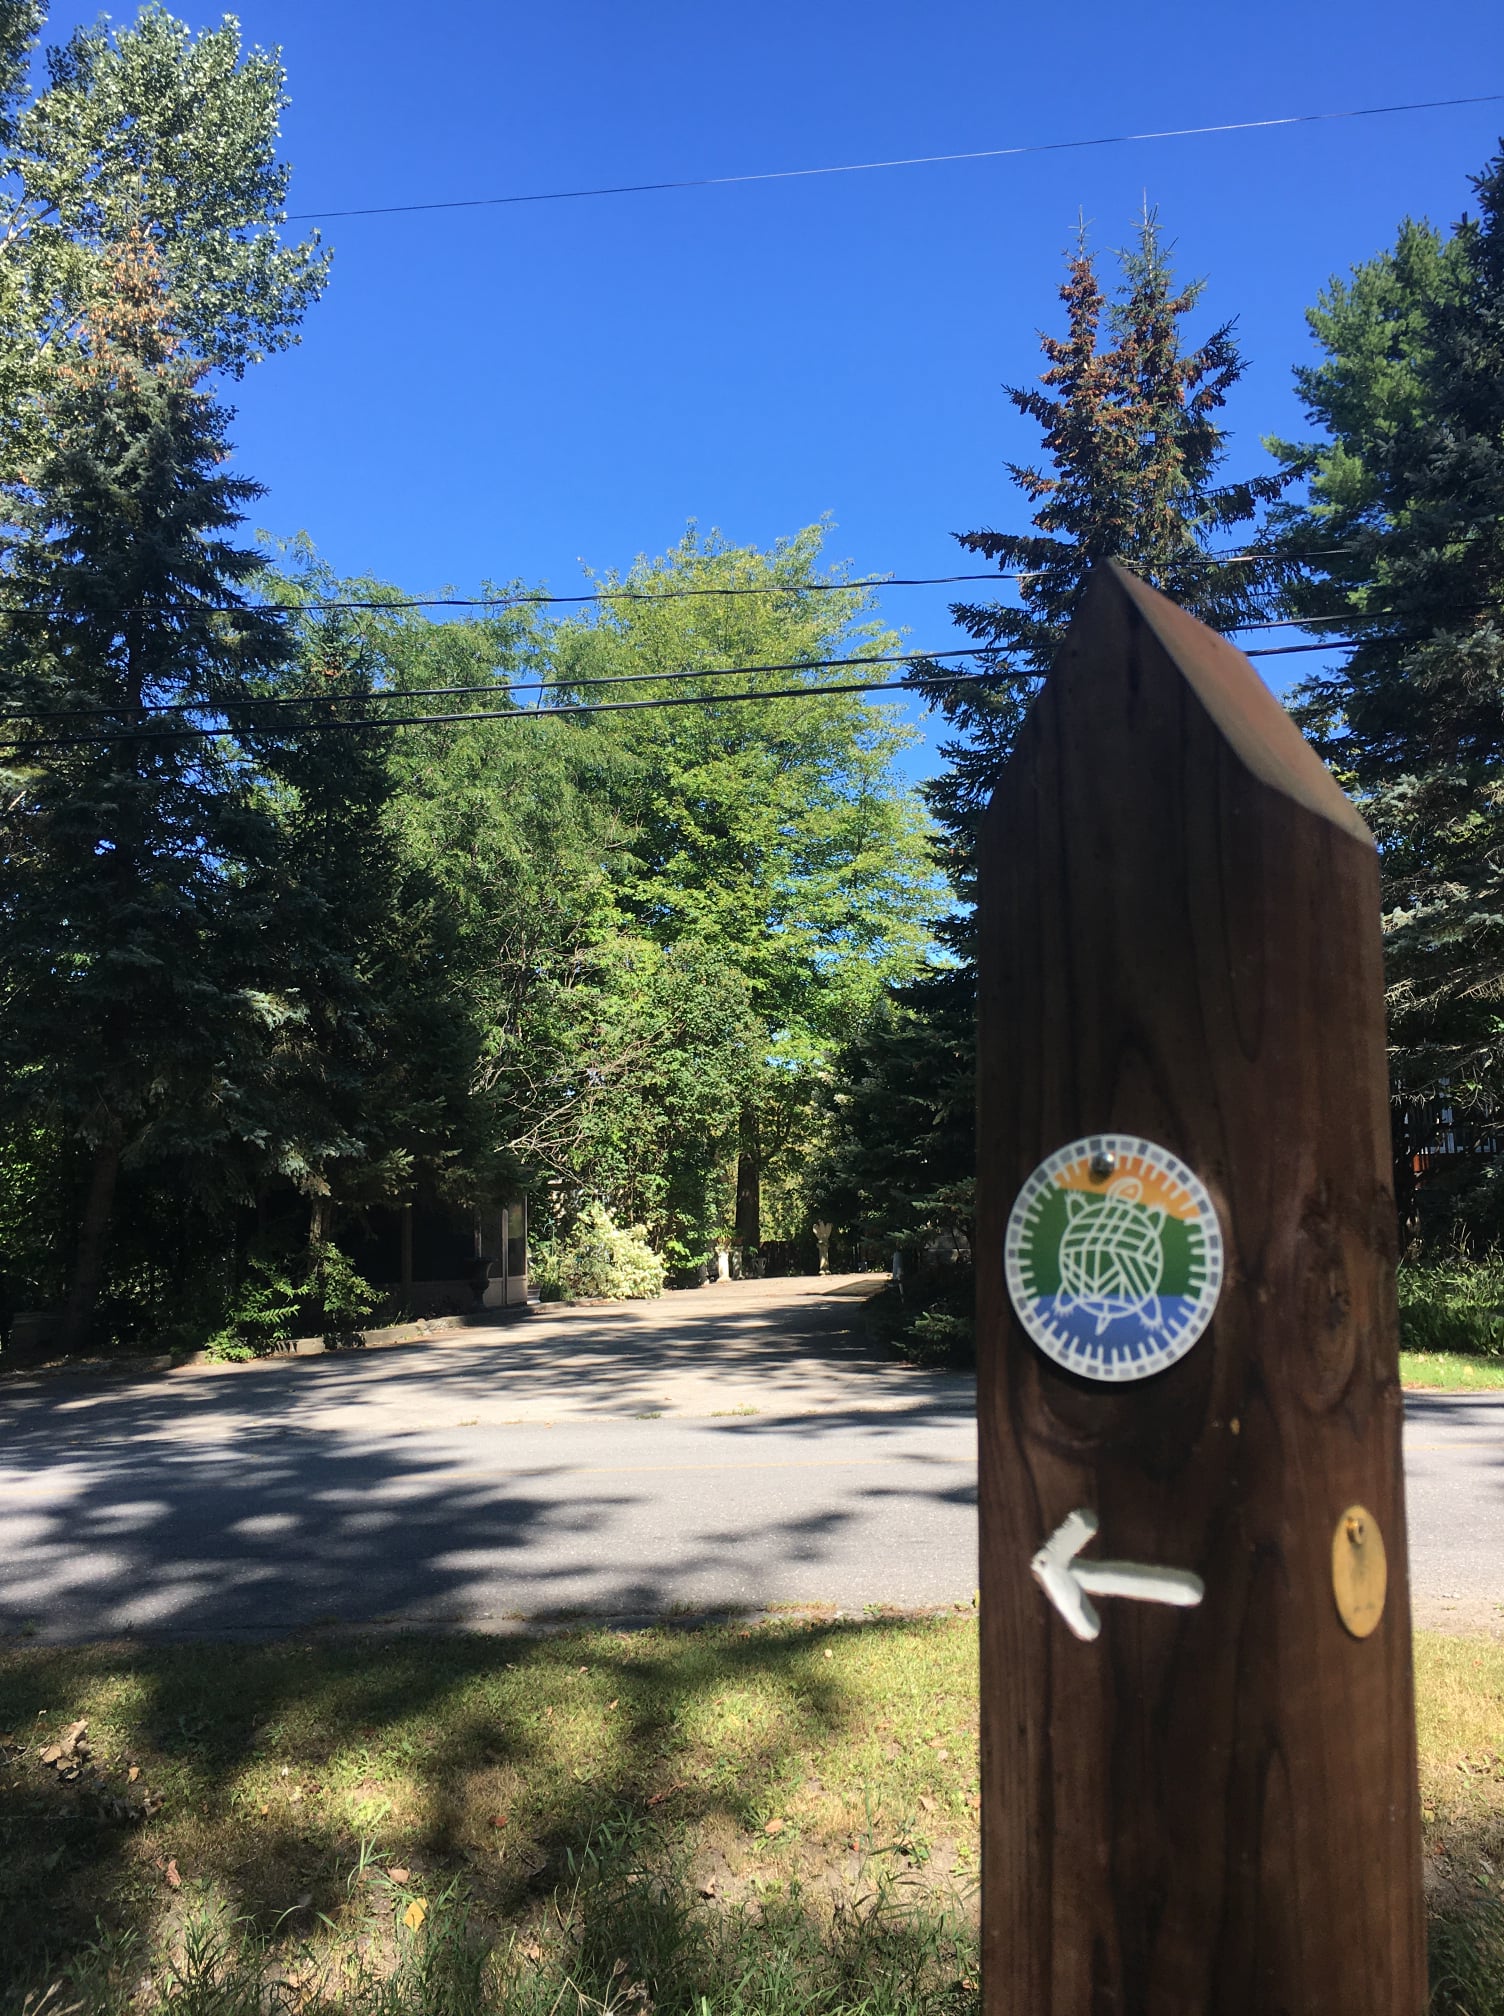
[342, 1297]
[599, 1258]
[263, 1314]
[279, 1299]
[929, 1317]
[1453, 1305]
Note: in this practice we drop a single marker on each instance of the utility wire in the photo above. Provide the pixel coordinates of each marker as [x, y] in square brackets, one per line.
[491, 686]
[902, 161]
[506, 713]
[255, 704]
[915, 683]
[502, 602]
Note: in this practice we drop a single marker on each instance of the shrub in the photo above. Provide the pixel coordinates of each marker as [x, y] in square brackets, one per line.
[343, 1297]
[278, 1299]
[1455, 1304]
[263, 1314]
[599, 1258]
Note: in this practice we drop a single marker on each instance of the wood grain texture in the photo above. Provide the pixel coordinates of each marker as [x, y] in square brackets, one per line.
[1207, 1812]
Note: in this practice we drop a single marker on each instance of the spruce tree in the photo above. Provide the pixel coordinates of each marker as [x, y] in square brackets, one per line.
[124, 590]
[375, 1049]
[1405, 519]
[1133, 449]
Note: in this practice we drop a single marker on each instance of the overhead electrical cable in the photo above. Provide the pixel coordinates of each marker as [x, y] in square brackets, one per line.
[500, 603]
[918, 684]
[258, 703]
[494, 685]
[898, 161]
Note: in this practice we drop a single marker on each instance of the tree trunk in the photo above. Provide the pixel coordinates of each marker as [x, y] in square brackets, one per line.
[749, 1182]
[93, 1242]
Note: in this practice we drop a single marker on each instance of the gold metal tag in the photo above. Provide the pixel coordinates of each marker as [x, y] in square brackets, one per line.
[1360, 1570]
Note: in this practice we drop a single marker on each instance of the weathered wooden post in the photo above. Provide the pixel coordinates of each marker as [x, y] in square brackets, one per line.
[1198, 1757]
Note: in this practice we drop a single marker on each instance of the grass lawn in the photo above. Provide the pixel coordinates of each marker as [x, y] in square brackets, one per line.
[1451, 1372]
[704, 1821]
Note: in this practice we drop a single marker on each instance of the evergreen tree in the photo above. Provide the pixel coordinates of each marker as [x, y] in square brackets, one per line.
[376, 1047]
[1405, 517]
[119, 1035]
[1133, 449]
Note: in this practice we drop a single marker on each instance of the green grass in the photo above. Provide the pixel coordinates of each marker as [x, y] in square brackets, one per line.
[1452, 1323]
[1451, 1372]
[726, 1821]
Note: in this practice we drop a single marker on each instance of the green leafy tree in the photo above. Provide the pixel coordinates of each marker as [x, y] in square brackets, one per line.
[1402, 536]
[771, 832]
[120, 1036]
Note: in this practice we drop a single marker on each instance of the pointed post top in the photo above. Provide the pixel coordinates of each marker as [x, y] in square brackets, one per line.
[1246, 714]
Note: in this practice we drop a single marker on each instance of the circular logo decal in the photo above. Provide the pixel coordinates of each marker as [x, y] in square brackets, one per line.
[1114, 1257]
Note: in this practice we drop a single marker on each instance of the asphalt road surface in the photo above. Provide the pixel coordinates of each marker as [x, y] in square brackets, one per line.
[731, 1449]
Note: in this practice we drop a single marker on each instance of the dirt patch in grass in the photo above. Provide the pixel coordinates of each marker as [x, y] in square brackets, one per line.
[756, 1812]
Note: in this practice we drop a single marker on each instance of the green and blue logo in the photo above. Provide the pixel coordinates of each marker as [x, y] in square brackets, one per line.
[1114, 1257]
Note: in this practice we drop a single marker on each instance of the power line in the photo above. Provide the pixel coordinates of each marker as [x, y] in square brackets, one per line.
[912, 684]
[490, 686]
[903, 161]
[255, 704]
[507, 713]
[501, 603]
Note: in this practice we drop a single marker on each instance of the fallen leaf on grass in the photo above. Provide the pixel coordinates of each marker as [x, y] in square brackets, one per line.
[133, 1774]
[927, 1803]
[657, 1798]
[170, 1871]
[415, 1913]
[399, 1875]
[498, 1819]
[609, 1706]
[707, 1889]
[775, 1827]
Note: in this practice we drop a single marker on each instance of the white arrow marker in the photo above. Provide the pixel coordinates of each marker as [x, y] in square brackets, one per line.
[1070, 1584]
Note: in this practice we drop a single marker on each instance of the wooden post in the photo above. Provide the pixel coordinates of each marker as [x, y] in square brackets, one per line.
[1210, 1809]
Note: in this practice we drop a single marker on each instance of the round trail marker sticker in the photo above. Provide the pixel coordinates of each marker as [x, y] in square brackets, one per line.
[1114, 1257]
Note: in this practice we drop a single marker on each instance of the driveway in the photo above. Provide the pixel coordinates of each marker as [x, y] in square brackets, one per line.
[730, 1449]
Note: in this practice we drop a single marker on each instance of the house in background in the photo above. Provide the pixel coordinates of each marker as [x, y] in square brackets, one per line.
[433, 1260]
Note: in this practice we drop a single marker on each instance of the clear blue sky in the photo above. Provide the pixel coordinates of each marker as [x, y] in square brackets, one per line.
[506, 392]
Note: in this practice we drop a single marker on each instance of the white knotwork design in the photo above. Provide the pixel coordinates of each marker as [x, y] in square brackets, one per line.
[1112, 1254]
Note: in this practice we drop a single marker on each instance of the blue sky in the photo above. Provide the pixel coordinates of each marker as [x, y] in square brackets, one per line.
[509, 392]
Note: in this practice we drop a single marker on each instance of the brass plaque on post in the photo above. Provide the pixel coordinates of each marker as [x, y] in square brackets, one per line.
[1360, 1570]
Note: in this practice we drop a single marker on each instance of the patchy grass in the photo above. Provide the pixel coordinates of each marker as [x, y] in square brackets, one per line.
[1451, 1372]
[715, 1822]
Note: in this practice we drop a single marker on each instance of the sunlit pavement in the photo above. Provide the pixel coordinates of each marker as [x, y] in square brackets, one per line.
[731, 1449]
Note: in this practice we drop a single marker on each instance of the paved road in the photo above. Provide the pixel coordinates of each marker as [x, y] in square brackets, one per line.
[735, 1448]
